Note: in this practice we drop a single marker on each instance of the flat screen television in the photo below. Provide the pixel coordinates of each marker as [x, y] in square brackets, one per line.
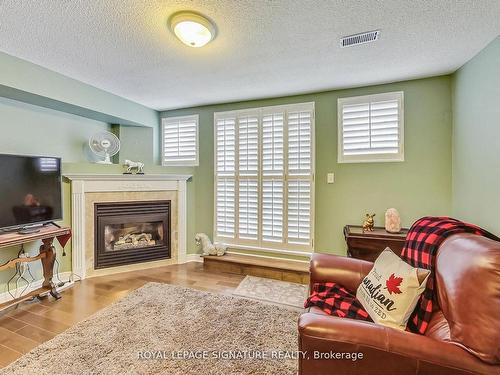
[30, 191]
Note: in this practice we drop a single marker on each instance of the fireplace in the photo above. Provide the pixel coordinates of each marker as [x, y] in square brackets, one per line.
[131, 232]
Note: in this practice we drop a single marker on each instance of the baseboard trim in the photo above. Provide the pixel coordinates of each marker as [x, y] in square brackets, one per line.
[64, 276]
[193, 258]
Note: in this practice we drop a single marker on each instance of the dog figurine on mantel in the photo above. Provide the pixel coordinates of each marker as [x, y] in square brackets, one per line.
[130, 165]
[207, 247]
[369, 223]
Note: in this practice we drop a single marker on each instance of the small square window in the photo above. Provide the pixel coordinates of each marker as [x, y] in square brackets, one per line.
[371, 128]
[180, 141]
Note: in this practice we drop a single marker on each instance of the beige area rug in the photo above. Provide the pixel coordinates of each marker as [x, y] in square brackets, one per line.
[159, 328]
[270, 290]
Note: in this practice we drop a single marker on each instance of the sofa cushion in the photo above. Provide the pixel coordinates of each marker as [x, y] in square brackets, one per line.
[390, 291]
[438, 328]
[468, 292]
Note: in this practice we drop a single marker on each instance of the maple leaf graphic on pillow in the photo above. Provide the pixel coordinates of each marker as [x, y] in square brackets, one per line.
[392, 284]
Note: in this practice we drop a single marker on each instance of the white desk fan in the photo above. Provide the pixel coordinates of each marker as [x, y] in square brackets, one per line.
[104, 145]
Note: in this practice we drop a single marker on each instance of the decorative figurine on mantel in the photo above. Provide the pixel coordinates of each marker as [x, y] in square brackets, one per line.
[369, 223]
[392, 221]
[207, 247]
[133, 165]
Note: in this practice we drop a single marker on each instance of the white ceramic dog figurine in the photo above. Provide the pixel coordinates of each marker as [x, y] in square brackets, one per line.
[207, 248]
[134, 165]
[220, 249]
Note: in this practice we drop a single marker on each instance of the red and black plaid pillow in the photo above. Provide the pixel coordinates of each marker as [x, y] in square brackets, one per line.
[335, 300]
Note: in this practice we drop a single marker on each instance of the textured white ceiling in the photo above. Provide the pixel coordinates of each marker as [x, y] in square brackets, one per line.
[263, 48]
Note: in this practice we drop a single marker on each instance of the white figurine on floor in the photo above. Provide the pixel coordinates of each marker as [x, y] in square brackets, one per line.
[207, 247]
[220, 249]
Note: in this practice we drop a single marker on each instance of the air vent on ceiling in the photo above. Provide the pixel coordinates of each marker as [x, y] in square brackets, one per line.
[362, 38]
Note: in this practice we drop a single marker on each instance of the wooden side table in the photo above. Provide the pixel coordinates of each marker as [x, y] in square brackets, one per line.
[369, 245]
[47, 256]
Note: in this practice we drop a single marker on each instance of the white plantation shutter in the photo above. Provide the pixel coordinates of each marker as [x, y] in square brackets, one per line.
[272, 210]
[248, 169]
[299, 171]
[264, 177]
[299, 142]
[226, 146]
[299, 211]
[180, 140]
[371, 128]
[248, 147]
[225, 207]
[225, 151]
[272, 144]
[248, 209]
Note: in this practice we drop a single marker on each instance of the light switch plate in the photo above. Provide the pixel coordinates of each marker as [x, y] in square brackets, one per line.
[330, 178]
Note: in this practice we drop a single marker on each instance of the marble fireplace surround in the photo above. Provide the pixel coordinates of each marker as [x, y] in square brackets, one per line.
[87, 189]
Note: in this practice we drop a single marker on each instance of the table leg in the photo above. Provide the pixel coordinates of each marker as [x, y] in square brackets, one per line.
[48, 266]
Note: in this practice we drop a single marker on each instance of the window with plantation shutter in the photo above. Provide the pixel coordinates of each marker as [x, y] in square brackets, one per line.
[371, 128]
[180, 141]
[264, 179]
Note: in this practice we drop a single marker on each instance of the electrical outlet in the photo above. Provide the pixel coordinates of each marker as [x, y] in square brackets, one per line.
[330, 178]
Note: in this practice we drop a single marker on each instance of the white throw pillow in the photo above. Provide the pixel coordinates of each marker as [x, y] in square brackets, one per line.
[390, 292]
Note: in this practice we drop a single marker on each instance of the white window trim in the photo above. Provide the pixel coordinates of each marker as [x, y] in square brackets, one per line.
[262, 245]
[374, 158]
[194, 163]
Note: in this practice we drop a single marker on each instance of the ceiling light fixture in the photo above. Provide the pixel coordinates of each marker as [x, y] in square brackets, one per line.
[192, 29]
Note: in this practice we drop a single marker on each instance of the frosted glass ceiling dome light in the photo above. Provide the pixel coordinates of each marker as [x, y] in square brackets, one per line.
[192, 29]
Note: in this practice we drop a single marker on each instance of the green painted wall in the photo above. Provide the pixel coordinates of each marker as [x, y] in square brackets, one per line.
[419, 186]
[476, 139]
[135, 144]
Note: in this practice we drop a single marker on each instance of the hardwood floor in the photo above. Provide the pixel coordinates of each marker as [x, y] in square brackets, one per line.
[32, 323]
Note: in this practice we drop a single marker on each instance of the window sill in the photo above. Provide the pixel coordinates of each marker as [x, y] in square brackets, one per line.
[180, 164]
[381, 160]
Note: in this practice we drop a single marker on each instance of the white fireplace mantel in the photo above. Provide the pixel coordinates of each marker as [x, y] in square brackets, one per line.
[126, 177]
[82, 183]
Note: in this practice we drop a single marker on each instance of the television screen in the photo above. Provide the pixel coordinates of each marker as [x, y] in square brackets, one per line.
[30, 190]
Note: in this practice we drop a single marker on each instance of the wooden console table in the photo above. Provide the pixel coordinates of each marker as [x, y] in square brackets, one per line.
[47, 256]
[369, 245]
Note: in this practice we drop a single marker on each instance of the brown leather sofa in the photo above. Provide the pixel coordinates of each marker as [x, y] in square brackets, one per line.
[463, 336]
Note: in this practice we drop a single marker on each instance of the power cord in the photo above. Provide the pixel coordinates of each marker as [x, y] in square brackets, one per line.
[21, 269]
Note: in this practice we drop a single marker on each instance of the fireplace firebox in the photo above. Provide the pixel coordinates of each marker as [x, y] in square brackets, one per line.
[131, 232]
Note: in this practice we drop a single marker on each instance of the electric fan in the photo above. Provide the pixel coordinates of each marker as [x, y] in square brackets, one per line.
[104, 145]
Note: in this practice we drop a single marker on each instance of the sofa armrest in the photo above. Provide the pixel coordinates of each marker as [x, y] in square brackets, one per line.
[384, 349]
[349, 272]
